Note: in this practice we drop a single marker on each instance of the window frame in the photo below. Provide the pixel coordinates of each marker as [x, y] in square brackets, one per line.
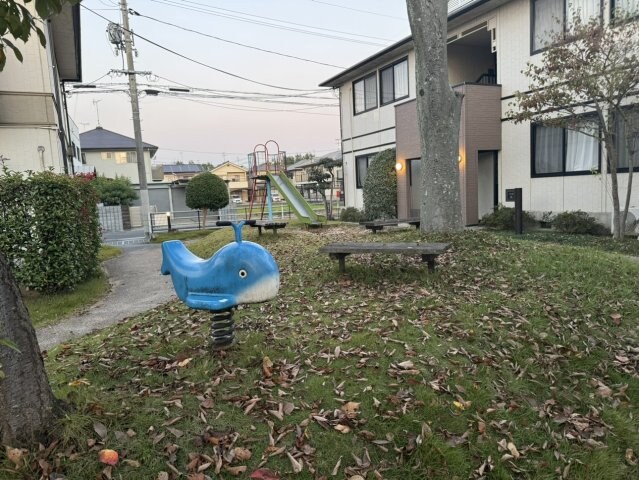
[363, 80]
[359, 184]
[564, 23]
[613, 6]
[635, 168]
[381, 83]
[564, 151]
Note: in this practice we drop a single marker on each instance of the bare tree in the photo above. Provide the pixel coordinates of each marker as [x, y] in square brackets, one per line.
[27, 404]
[438, 113]
[585, 83]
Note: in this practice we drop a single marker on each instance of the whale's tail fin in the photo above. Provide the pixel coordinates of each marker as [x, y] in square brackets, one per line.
[237, 227]
[175, 253]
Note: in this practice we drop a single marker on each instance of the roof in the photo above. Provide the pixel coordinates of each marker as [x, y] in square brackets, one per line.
[310, 162]
[102, 139]
[239, 167]
[183, 168]
[456, 8]
[65, 30]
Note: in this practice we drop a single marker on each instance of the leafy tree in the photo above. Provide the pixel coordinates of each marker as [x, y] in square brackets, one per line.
[114, 191]
[17, 21]
[324, 177]
[590, 69]
[380, 187]
[438, 114]
[206, 191]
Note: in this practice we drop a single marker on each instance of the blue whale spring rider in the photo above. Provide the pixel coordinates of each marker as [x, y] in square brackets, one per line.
[240, 272]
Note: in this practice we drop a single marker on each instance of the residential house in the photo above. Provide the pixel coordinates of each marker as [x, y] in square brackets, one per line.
[489, 44]
[182, 171]
[34, 123]
[299, 172]
[236, 177]
[112, 154]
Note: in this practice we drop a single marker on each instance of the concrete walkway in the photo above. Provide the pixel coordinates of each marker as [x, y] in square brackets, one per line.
[136, 286]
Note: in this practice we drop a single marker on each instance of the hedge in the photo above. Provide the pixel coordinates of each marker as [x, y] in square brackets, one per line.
[49, 229]
[380, 187]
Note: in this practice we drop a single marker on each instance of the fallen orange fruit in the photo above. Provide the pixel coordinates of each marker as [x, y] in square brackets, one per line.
[110, 457]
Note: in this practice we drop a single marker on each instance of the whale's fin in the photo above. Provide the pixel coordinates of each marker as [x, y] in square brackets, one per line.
[210, 301]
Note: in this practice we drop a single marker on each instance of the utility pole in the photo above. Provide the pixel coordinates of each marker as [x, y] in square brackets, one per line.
[135, 107]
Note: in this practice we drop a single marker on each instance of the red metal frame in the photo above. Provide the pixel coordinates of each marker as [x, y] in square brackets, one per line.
[273, 163]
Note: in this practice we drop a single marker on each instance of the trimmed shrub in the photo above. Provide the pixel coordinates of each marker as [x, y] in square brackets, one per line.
[351, 214]
[206, 191]
[49, 229]
[503, 218]
[380, 187]
[114, 191]
[578, 222]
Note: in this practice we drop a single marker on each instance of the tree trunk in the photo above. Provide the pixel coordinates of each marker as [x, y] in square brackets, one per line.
[27, 403]
[205, 213]
[438, 113]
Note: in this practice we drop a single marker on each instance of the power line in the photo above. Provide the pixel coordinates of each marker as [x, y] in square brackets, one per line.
[242, 108]
[219, 70]
[360, 10]
[207, 11]
[257, 96]
[238, 43]
[262, 17]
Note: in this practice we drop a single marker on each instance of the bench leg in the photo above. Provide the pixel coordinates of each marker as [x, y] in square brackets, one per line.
[259, 231]
[430, 260]
[342, 263]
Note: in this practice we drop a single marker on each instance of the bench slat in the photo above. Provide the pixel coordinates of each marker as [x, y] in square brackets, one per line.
[372, 247]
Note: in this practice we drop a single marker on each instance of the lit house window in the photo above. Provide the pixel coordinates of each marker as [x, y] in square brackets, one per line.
[122, 158]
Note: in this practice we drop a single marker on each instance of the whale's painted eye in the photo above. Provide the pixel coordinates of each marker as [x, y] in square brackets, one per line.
[243, 273]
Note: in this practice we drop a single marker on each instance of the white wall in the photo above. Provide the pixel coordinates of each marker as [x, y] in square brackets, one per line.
[110, 169]
[588, 192]
[368, 132]
[27, 111]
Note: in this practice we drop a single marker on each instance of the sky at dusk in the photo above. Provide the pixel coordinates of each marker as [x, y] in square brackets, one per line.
[196, 127]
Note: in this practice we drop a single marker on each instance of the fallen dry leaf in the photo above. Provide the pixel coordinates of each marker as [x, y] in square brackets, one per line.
[236, 471]
[242, 454]
[100, 429]
[265, 474]
[298, 466]
[267, 367]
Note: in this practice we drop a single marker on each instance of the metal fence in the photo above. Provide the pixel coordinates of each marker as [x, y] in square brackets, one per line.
[194, 219]
[110, 218]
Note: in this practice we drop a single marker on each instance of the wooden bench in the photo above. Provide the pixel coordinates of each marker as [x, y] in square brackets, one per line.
[376, 225]
[428, 251]
[266, 225]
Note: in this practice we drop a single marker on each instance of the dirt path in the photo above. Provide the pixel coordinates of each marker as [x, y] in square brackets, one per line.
[136, 286]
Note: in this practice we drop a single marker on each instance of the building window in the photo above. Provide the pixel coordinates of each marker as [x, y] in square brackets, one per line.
[394, 82]
[365, 94]
[551, 17]
[122, 158]
[361, 168]
[84, 158]
[559, 151]
[106, 155]
[627, 140]
[630, 7]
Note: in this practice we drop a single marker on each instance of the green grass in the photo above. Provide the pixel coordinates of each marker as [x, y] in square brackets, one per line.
[516, 357]
[48, 309]
[107, 252]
